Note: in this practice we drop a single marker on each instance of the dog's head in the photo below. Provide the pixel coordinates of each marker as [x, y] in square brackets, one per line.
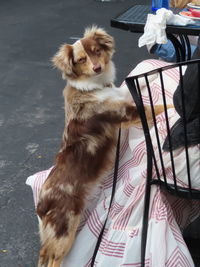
[86, 58]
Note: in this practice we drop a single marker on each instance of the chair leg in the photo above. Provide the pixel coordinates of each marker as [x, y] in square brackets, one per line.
[145, 219]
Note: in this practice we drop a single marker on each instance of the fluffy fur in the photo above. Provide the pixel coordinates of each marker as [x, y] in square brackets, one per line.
[94, 110]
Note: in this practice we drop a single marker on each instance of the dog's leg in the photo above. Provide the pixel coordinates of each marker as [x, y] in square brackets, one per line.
[56, 263]
[157, 109]
[64, 244]
[43, 257]
[58, 248]
[43, 254]
[50, 263]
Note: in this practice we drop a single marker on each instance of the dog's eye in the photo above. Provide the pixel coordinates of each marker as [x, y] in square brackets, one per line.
[98, 51]
[81, 60]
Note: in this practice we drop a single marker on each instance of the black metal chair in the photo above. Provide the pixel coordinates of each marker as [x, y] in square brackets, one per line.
[156, 166]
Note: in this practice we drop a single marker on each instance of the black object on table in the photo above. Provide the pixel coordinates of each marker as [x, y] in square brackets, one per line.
[134, 20]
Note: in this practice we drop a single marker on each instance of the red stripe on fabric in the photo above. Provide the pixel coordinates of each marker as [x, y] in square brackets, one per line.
[121, 223]
[128, 190]
[94, 223]
[112, 255]
[177, 258]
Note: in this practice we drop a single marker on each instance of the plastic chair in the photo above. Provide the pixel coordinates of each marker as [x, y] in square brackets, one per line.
[157, 168]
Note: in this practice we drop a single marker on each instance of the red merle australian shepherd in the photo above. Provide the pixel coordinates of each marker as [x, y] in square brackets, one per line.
[94, 110]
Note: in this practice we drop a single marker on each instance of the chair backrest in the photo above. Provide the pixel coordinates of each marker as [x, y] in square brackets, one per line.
[172, 137]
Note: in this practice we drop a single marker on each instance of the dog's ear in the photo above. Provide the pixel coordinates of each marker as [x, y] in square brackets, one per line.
[105, 40]
[63, 60]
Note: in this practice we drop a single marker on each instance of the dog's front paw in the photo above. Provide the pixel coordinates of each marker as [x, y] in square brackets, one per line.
[131, 112]
[131, 118]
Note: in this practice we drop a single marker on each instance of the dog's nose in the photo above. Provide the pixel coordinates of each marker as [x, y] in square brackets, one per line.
[97, 69]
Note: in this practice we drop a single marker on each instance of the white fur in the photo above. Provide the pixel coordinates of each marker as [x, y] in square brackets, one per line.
[95, 82]
[109, 93]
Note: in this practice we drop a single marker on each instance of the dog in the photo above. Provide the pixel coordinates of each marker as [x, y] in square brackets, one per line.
[94, 111]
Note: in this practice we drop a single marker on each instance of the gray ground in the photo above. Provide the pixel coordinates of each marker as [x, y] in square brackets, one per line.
[31, 104]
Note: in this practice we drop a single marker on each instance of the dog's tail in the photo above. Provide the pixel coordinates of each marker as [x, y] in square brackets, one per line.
[55, 246]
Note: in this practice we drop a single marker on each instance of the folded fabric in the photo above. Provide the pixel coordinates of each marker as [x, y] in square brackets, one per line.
[154, 30]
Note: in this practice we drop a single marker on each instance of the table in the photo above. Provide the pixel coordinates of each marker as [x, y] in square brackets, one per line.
[134, 20]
